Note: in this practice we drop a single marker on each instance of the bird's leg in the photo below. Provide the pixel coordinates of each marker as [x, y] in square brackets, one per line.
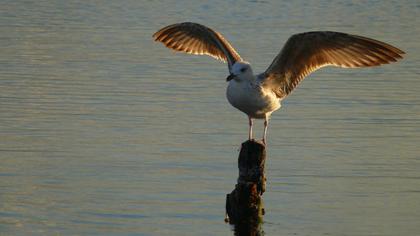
[250, 128]
[265, 129]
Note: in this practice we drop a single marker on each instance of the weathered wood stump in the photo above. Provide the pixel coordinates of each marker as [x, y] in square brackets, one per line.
[244, 205]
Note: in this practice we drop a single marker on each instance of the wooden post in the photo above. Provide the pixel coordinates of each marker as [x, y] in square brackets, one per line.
[244, 206]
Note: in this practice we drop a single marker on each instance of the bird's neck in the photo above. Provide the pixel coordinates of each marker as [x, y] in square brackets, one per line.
[248, 77]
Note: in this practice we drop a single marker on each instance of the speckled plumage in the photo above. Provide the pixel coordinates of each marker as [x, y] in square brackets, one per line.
[260, 95]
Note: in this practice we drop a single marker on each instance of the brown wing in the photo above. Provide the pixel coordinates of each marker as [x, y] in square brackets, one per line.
[306, 52]
[198, 39]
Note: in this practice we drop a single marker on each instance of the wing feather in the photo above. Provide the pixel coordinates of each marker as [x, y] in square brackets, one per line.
[197, 39]
[306, 52]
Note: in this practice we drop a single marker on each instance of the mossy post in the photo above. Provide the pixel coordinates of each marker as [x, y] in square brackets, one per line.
[244, 205]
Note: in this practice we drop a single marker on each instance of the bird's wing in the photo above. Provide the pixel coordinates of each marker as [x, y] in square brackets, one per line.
[197, 39]
[306, 52]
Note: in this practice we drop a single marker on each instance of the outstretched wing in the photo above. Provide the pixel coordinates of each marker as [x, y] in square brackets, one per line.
[198, 39]
[306, 52]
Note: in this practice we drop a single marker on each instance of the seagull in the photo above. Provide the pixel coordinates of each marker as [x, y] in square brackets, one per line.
[259, 95]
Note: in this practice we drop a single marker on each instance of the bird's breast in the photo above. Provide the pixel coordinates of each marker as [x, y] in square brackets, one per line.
[251, 98]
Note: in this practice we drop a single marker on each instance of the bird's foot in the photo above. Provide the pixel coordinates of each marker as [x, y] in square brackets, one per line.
[263, 141]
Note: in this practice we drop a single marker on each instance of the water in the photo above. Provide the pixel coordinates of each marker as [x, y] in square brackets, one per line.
[104, 132]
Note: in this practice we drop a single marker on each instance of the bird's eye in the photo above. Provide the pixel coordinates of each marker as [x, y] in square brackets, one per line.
[243, 69]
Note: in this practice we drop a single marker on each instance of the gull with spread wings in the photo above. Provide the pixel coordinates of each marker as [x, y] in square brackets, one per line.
[259, 95]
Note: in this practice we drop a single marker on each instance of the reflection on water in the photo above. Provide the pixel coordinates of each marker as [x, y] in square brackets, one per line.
[103, 131]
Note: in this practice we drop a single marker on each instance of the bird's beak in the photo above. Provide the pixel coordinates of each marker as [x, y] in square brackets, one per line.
[230, 77]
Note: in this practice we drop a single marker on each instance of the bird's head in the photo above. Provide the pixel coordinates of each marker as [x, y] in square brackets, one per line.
[239, 71]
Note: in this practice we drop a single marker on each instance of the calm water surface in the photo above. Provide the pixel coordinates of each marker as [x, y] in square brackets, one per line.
[103, 132]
